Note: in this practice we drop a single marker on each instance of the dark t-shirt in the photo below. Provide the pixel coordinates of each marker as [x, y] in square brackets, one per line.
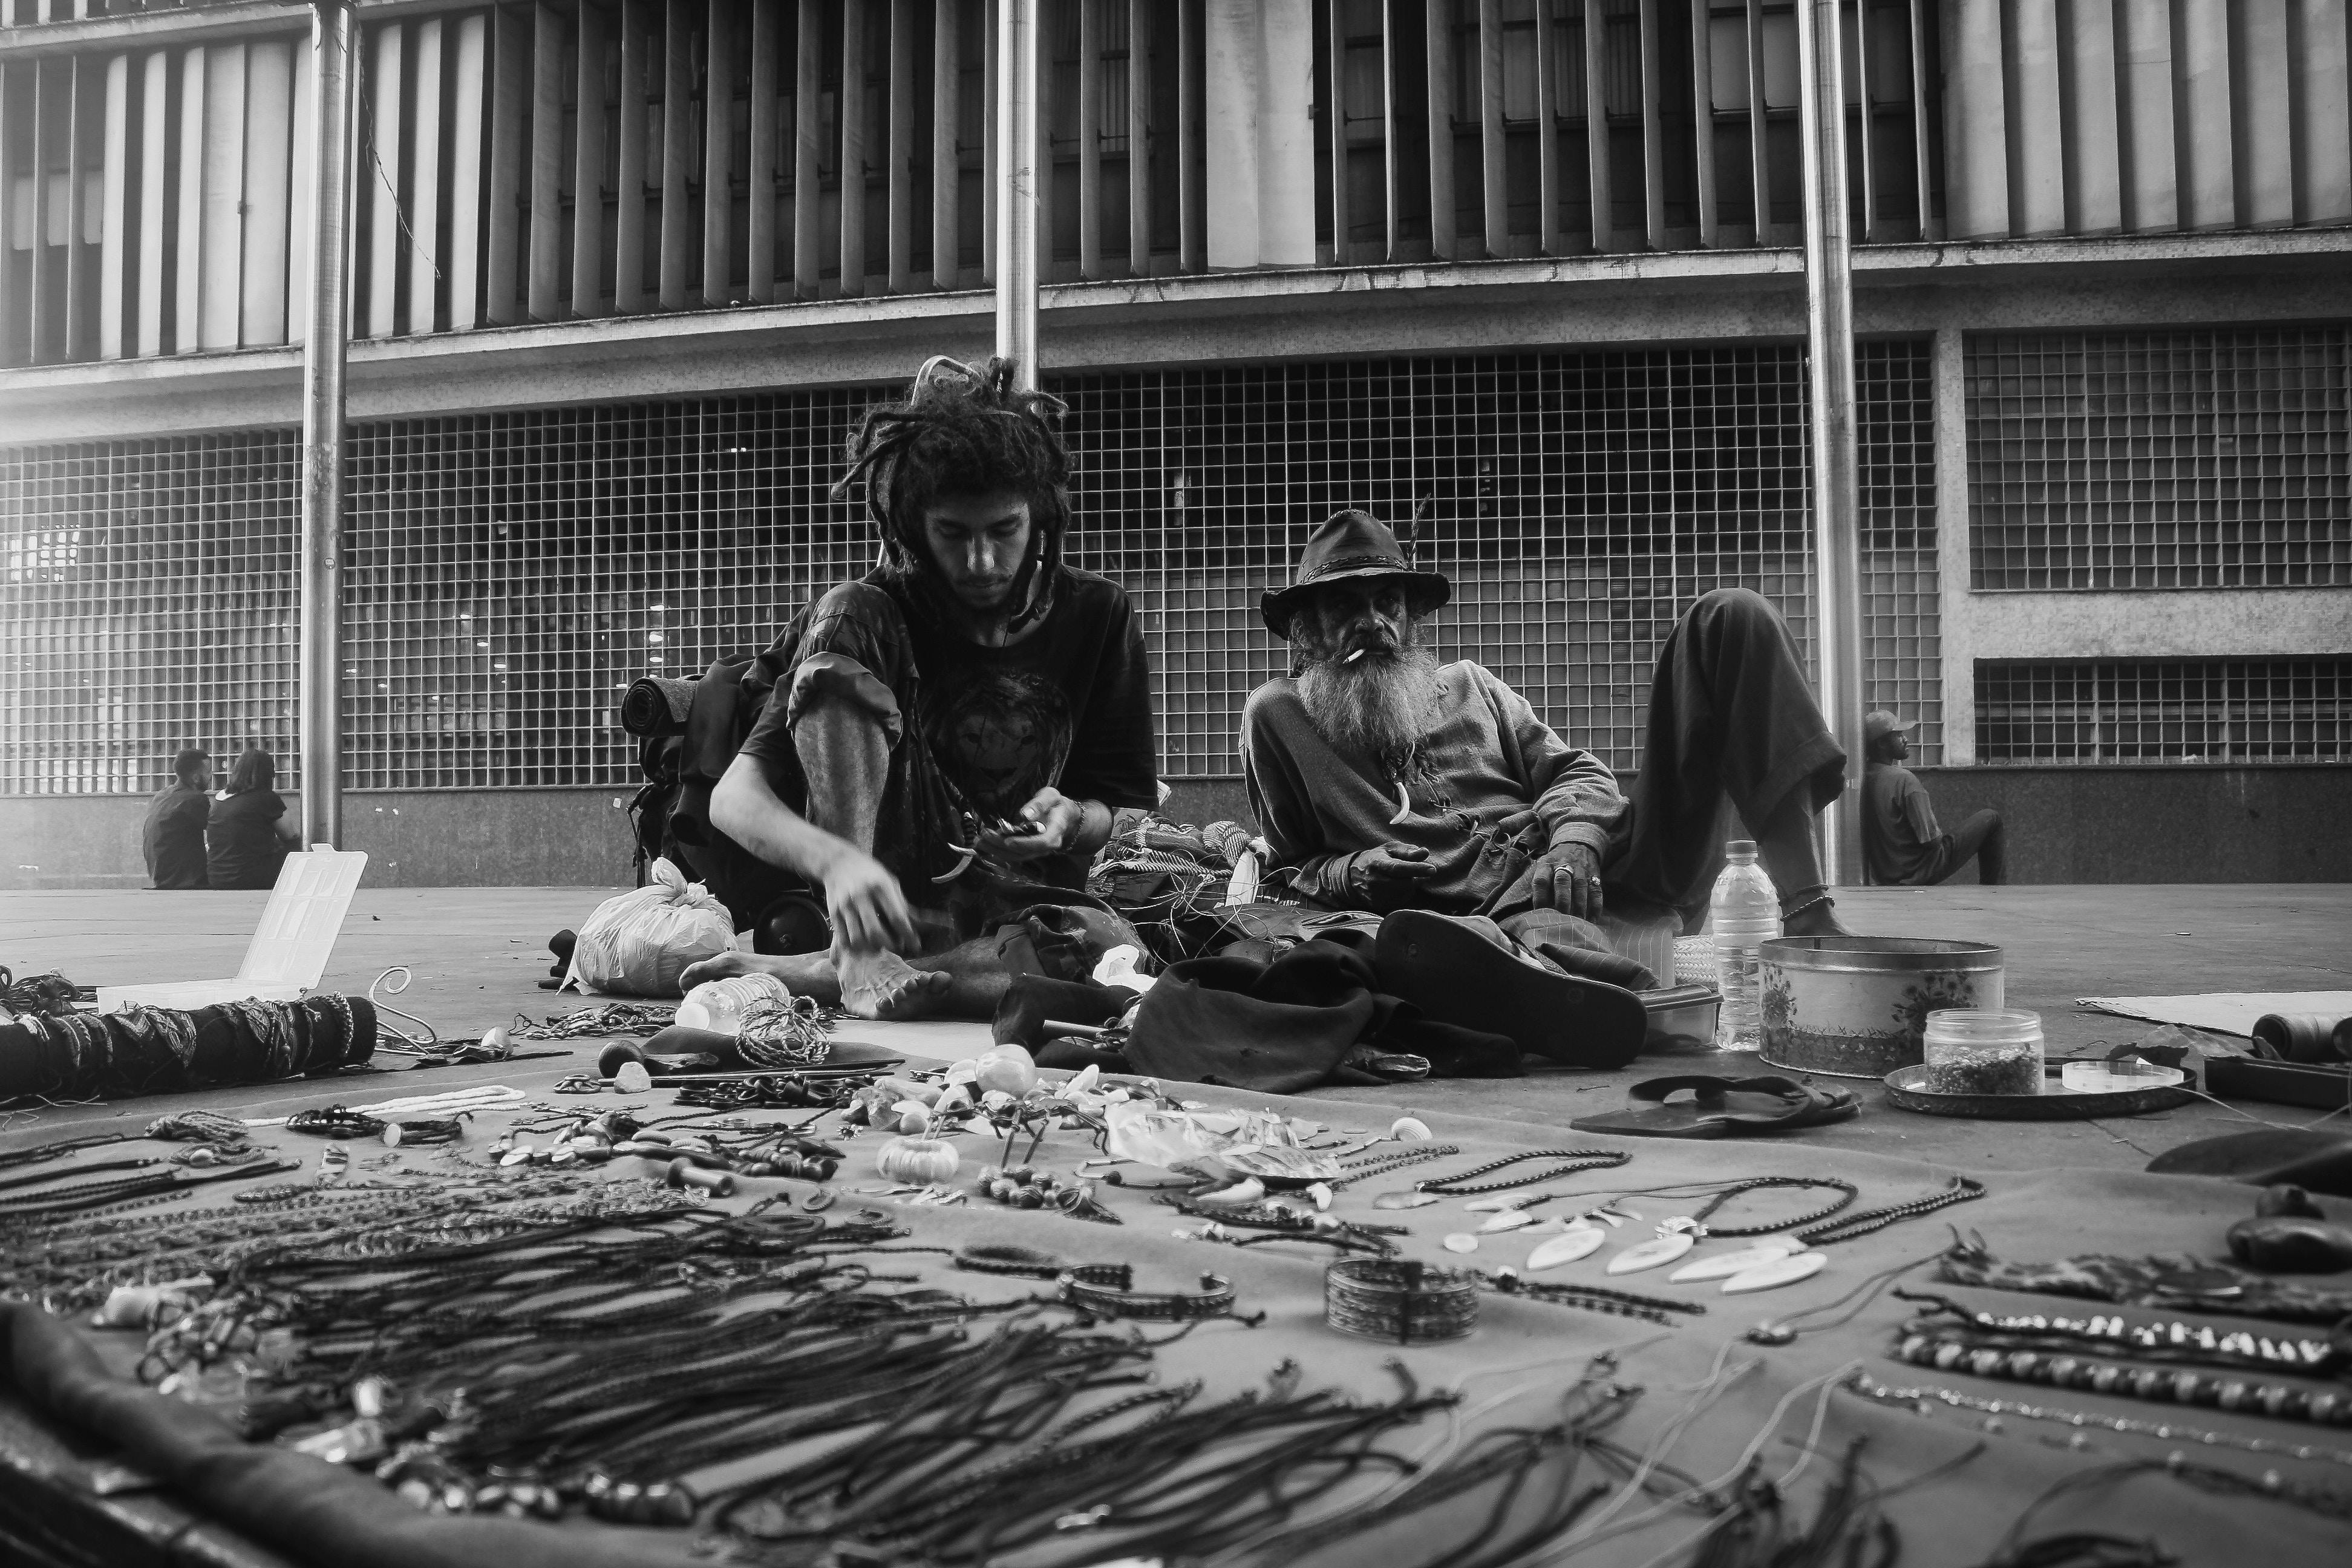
[173, 836]
[245, 850]
[1898, 823]
[1069, 705]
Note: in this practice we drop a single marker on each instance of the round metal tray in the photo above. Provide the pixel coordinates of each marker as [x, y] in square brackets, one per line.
[2053, 1104]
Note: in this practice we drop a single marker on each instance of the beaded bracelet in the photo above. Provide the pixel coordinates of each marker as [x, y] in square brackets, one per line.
[1401, 1302]
[1956, 1353]
[1214, 1300]
[1027, 1261]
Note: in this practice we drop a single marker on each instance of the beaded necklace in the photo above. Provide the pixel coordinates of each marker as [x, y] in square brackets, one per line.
[1960, 1190]
[1758, 1184]
[1464, 1183]
[2168, 1431]
[1927, 1343]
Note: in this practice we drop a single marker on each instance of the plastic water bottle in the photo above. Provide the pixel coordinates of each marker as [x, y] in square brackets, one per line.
[1745, 914]
[722, 1004]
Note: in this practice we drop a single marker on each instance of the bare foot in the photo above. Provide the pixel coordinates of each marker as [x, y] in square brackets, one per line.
[883, 986]
[808, 974]
[1821, 920]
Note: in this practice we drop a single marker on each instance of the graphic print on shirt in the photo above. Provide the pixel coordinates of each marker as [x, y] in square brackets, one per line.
[1000, 736]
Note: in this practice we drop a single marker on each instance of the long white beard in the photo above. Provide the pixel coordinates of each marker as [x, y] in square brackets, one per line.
[1379, 706]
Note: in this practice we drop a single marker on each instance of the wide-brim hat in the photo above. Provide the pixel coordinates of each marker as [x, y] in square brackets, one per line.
[1350, 544]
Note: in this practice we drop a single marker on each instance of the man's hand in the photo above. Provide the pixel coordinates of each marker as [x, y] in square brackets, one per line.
[869, 913]
[1055, 820]
[1379, 876]
[1567, 878]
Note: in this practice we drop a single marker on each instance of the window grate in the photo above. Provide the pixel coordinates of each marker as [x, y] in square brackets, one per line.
[2198, 459]
[2166, 710]
[506, 575]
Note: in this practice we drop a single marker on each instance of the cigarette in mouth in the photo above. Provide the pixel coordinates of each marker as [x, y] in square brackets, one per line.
[1355, 656]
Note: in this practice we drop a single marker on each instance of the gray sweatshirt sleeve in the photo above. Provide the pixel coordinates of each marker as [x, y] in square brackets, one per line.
[1278, 795]
[1575, 795]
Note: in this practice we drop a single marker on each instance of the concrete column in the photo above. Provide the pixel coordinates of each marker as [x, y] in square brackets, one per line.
[1259, 66]
[1947, 378]
[1233, 65]
[1829, 354]
[1018, 173]
[1285, 134]
[1976, 123]
[319, 690]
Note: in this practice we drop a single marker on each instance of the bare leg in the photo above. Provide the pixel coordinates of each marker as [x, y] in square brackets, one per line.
[1784, 842]
[965, 982]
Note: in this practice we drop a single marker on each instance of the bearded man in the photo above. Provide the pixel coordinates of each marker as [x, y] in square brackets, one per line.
[1389, 782]
[943, 741]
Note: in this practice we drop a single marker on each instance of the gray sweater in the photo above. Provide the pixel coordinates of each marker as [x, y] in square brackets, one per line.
[1501, 783]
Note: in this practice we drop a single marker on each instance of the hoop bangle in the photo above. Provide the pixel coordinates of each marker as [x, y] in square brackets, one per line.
[1214, 1298]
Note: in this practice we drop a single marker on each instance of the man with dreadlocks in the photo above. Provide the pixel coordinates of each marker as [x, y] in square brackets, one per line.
[946, 739]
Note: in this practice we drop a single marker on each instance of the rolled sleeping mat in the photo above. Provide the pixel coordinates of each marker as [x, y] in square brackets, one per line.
[2306, 1036]
[656, 705]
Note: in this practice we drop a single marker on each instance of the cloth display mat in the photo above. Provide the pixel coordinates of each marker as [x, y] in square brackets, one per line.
[2224, 1012]
[1525, 1354]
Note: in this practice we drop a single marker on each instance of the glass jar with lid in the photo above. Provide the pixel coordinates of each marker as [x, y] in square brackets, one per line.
[1983, 1051]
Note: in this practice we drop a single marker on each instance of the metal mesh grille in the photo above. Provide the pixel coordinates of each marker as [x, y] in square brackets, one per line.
[508, 574]
[2166, 710]
[146, 601]
[2160, 460]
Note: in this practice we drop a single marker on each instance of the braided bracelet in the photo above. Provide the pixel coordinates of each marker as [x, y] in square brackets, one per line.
[335, 1122]
[1214, 1298]
[1030, 1263]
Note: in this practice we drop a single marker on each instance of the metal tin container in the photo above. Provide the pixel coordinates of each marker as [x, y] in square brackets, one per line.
[1857, 1006]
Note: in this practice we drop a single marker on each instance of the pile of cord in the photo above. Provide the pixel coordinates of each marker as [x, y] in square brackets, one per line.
[616, 1364]
[161, 1050]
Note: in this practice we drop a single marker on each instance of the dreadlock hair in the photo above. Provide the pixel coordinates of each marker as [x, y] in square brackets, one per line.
[964, 432]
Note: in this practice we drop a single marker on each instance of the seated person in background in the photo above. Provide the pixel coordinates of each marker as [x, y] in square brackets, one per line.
[250, 833]
[1386, 780]
[947, 737]
[1899, 835]
[173, 836]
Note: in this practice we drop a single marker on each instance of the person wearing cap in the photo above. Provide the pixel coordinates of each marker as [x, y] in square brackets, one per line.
[1900, 839]
[173, 836]
[1386, 780]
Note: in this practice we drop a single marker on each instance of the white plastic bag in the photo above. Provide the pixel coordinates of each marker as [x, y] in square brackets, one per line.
[638, 943]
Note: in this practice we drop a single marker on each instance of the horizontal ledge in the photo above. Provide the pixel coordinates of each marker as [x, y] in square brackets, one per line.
[193, 25]
[1875, 266]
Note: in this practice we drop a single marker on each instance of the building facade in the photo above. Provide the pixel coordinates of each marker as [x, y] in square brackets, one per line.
[1519, 276]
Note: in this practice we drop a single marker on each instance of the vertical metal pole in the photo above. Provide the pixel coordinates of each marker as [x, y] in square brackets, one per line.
[320, 710]
[1829, 342]
[1017, 172]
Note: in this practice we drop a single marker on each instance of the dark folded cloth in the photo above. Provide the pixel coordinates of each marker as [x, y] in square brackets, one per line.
[1030, 1000]
[2311, 1159]
[656, 705]
[1063, 940]
[1287, 1025]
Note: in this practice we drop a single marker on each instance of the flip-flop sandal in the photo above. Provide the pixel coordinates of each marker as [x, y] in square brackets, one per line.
[1719, 1108]
[1457, 976]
